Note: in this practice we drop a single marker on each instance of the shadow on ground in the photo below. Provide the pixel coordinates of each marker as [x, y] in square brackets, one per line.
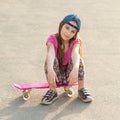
[18, 110]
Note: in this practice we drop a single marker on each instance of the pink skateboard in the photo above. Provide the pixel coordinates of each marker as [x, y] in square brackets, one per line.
[26, 88]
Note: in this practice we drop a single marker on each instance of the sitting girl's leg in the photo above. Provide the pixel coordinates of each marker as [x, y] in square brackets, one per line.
[51, 94]
[57, 71]
[82, 92]
[81, 73]
[53, 85]
[60, 77]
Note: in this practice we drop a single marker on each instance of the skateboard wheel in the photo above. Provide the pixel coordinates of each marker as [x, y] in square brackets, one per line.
[69, 91]
[26, 94]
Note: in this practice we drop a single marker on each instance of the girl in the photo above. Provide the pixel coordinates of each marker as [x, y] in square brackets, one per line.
[64, 64]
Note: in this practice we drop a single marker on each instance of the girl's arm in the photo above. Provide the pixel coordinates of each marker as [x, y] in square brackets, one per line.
[51, 75]
[76, 56]
[50, 56]
[73, 76]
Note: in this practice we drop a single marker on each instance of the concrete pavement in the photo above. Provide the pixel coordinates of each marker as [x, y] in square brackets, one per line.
[24, 28]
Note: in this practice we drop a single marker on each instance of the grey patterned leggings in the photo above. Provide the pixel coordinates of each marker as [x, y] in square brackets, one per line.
[63, 77]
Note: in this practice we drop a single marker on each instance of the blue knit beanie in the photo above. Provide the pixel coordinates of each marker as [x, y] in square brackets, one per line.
[72, 17]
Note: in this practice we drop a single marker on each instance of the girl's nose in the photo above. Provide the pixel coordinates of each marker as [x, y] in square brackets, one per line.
[68, 32]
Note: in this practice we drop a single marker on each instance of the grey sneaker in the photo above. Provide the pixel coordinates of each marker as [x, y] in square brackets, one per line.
[84, 95]
[49, 97]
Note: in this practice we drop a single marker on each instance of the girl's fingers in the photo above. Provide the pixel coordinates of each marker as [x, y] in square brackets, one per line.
[68, 80]
[70, 84]
[56, 78]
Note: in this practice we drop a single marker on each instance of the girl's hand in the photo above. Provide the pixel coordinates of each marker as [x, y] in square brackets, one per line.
[52, 78]
[73, 77]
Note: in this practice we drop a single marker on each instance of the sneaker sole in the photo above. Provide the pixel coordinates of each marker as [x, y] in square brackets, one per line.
[48, 103]
[88, 100]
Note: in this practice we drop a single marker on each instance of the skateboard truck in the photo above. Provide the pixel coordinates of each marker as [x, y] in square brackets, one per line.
[69, 91]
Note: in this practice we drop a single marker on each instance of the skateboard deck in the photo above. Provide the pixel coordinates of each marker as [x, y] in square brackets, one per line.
[26, 88]
[42, 85]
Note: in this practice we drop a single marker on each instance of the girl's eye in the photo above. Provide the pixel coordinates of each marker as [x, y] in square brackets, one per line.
[73, 31]
[67, 27]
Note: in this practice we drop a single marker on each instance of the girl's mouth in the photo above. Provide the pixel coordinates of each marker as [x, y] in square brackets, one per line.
[66, 36]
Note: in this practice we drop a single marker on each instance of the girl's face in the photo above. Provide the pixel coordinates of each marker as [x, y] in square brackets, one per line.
[67, 31]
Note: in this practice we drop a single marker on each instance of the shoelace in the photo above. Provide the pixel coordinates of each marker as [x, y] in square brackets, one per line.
[48, 94]
[85, 92]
